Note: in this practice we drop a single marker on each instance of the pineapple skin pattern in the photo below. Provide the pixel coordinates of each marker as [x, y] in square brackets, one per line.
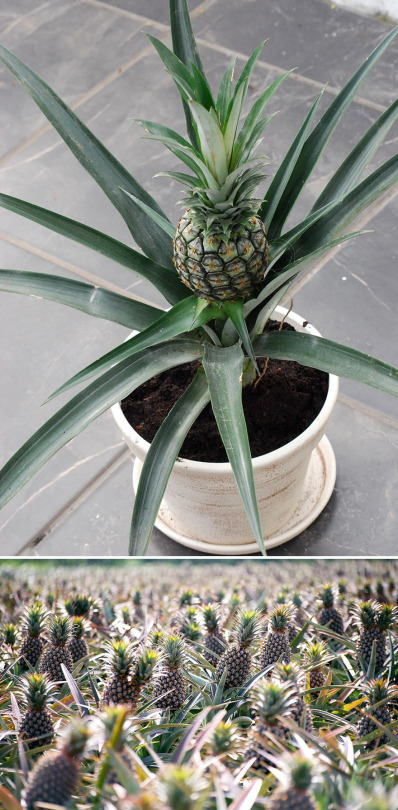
[54, 779]
[219, 268]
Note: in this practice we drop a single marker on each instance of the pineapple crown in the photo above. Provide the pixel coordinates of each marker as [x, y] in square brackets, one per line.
[315, 654]
[273, 700]
[77, 606]
[365, 614]
[378, 690]
[60, 630]
[33, 619]
[144, 665]
[78, 627]
[211, 617]
[182, 788]
[246, 627]
[224, 738]
[300, 771]
[156, 638]
[74, 740]
[387, 617]
[112, 725]
[191, 631]
[126, 614]
[287, 673]
[185, 598]
[10, 634]
[342, 586]
[380, 587]
[297, 600]
[225, 172]
[36, 690]
[280, 617]
[119, 658]
[173, 652]
[137, 598]
[327, 595]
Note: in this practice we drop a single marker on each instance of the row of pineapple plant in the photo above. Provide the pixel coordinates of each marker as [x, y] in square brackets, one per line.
[266, 689]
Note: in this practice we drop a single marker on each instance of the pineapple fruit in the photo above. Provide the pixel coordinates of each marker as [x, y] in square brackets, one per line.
[33, 620]
[57, 652]
[237, 659]
[128, 672]
[272, 702]
[276, 646]
[56, 775]
[379, 693]
[301, 712]
[374, 621]
[329, 615]
[214, 641]
[78, 645]
[172, 680]
[315, 656]
[36, 727]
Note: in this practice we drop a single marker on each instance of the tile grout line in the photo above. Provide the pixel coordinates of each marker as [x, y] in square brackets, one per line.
[75, 502]
[205, 43]
[367, 410]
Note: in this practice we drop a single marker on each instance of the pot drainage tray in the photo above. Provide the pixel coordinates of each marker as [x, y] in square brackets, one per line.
[318, 487]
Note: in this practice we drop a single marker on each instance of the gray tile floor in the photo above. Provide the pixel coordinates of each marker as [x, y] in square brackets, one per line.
[95, 56]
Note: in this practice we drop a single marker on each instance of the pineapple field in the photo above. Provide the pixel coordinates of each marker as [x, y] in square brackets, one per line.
[199, 685]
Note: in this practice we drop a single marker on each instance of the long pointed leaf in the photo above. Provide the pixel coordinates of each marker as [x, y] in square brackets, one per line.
[96, 301]
[353, 166]
[326, 355]
[317, 140]
[160, 459]
[185, 316]
[80, 411]
[164, 279]
[234, 310]
[283, 243]
[225, 92]
[97, 160]
[164, 223]
[211, 142]
[224, 368]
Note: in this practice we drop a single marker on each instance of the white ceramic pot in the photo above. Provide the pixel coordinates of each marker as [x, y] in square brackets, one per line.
[202, 508]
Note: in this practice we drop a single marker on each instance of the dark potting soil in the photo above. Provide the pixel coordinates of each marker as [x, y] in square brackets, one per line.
[286, 400]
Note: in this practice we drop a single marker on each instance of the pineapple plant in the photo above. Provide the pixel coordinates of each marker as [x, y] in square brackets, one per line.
[78, 606]
[214, 640]
[300, 711]
[315, 656]
[329, 615]
[294, 791]
[129, 671]
[56, 651]
[36, 726]
[378, 692]
[78, 646]
[172, 680]
[33, 622]
[272, 702]
[55, 776]
[276, 647]
[230, 269]
[237, 658]
[373, 621]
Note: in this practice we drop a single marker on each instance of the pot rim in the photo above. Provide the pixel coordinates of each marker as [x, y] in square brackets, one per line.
[220, 467]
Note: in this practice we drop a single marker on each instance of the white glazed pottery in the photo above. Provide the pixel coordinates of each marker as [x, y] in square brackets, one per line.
[202, 508]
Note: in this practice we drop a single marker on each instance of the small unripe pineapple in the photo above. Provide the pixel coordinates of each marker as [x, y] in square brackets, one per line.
[379, 693]
[214, 641]
[329, 616]
[56, 652]
[173, 660]
[315, 656]
[237, 659]
[33, 621]
[56, 775]
[78, 645]
[272, 702]
[36, 727]
[128, 673]
[276, 647]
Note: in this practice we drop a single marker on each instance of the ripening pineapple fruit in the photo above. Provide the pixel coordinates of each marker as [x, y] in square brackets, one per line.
[272, 702]
[301, 712]
[329, 616]
[214, 641]
[373, 622]
[55, 777]
[36, 727]
[78, 645]
[315, 656]
[237, 659]
[293, 792]
[128, 672]
[276, 646]
[173, 659]
[56, 652]
[33, 621]
[378, 692]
